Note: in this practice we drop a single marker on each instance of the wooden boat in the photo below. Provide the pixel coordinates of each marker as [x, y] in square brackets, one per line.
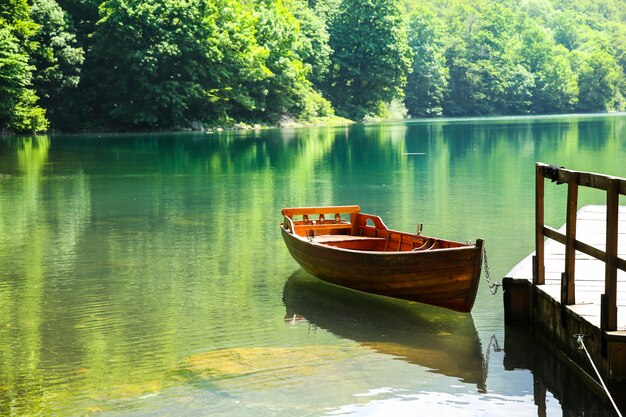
[444, 341]
[343, 246]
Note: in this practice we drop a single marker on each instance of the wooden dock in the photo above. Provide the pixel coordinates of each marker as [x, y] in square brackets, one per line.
[575, 281]
[589, 271]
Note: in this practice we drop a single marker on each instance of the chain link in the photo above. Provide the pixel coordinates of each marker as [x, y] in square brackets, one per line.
[493, 286]
[493, 346]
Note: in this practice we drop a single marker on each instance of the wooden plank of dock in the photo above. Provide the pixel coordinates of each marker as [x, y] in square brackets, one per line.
[590, 272]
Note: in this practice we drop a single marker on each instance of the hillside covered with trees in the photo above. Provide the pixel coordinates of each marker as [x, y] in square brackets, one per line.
[169, 64]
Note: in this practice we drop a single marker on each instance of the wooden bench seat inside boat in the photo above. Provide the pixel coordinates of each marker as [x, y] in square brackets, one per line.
[313, 221]
[345, 238]
[323, 229]
[391, 243]
[352, 242]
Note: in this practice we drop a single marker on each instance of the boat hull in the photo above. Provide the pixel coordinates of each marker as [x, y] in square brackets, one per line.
[444, 277]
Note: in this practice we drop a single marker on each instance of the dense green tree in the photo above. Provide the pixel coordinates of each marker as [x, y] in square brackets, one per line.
[286, 93]
[19, 109]
[27, 115]
[519, 87]
[504, 85]
[57, 58]
[567, 29]
[556, 88]
[314, 49]
[325, 9]
[462, 92]
[82, 16]
[484, 77]
[167, 64]
[618, 34]
[489, 32]
[150, 59]
[14, 74]
[371, 57]
[490, 86]
[76, 104]
[239, 64]
[598, 80]
[427, 83]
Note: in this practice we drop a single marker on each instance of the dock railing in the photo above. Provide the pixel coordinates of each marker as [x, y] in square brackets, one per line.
[614, 187]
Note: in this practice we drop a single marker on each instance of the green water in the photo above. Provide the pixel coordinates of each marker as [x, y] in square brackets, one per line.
[144, 275]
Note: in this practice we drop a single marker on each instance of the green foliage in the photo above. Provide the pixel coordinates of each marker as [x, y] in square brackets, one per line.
[19, 110]
[598, 78]
[281, 92]
[166, 64]
[556, 88]
[486, 76]
[428, 80]
[239, 65]
[518, 94]
[542, 57]
[14, 74]
[27, 115]
[57, 59]
[325, 9]
[371, 56]
[314, 49]
[15, 14]
[314, 106]
[151, 58]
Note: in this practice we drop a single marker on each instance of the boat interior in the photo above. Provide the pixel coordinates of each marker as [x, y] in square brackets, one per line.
[346, 227]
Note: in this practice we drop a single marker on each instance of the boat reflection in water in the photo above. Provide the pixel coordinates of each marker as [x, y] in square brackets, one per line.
[444, 341]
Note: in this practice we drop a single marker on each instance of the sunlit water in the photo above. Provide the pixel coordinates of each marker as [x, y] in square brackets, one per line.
[144, 275]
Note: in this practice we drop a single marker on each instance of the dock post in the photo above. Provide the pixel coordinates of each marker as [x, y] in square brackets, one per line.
[610, 282]
[539, 275]
[568, 293]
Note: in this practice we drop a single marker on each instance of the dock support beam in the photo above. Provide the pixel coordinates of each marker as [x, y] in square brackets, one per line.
[609, 311]
[539, 275]
[568, 288]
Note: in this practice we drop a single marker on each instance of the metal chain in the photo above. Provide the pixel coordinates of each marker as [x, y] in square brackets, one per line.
[493, 346]
[493, 286]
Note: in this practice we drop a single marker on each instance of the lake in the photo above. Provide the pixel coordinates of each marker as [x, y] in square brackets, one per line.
[145, 275]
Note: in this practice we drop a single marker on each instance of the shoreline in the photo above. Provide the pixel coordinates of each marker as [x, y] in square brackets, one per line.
[199, 128]
[327, 121]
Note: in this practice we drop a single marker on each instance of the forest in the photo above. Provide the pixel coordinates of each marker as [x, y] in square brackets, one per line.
[129, 65]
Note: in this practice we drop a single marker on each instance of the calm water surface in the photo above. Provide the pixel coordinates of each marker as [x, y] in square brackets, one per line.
[144, 275]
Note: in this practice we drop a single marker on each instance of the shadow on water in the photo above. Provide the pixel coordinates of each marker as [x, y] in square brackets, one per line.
[443, 341]
[525, 351]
